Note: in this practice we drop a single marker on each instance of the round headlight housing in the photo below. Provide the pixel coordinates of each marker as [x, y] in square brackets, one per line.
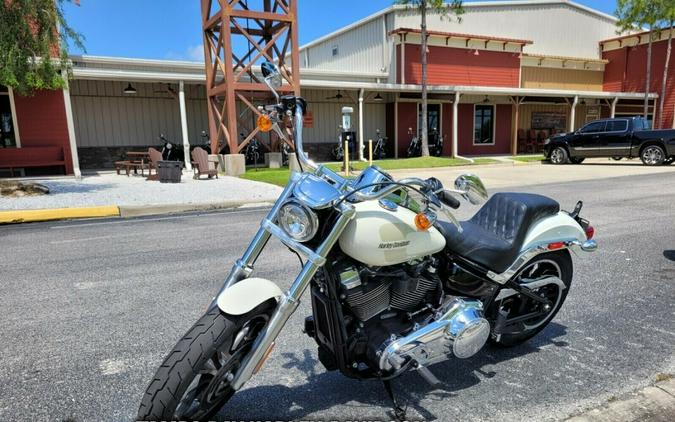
[298, 221]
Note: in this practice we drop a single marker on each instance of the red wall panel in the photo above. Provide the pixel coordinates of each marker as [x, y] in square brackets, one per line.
[627, 71]
[407, 118]
[459, 66]
[502, 143]
[42, 122]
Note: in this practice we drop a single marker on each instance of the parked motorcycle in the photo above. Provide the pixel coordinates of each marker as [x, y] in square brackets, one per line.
[435, 144]
[393, 288]
[379, 149]
[169, 150]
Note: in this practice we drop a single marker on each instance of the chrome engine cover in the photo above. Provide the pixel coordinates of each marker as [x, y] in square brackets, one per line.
[458, 329]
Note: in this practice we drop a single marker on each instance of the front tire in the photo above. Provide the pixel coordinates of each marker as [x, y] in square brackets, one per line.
[558, 156]
[653, 155]
[558, 264]
[193, 382]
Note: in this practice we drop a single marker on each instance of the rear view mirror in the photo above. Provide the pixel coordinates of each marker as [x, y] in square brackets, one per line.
[472, 188]
[272, 76]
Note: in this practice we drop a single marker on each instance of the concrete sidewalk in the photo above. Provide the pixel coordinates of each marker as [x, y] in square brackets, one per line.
[652, 404]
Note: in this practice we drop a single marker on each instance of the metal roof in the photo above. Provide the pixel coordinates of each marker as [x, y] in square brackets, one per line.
[476, 5]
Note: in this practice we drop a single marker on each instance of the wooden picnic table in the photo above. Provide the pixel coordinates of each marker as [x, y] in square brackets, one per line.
[135, 159]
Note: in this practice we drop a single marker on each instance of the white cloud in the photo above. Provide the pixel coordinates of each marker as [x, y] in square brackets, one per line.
[193, 53]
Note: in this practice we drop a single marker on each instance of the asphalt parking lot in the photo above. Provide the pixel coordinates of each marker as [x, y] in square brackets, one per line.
[90, 308]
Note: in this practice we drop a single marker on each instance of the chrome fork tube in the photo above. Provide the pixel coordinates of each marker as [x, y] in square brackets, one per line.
[289, 302]
[243, 267]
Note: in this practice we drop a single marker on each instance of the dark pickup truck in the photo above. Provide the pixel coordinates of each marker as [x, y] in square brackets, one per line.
[617, 138]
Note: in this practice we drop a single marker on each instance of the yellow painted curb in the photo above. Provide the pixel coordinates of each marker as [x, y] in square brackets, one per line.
[24, 216]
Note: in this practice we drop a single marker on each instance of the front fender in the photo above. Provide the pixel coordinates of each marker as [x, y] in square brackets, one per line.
[246, 294]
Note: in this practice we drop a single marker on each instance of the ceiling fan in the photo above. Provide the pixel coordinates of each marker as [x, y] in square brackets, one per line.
[169, 90]
[337, 96]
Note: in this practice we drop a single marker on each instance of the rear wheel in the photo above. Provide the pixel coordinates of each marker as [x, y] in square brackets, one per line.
[653, 155]
[193, 382]
[558, 156]
[556, 264]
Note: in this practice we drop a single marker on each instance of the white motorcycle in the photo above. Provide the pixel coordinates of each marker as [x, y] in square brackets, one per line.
[392, 287]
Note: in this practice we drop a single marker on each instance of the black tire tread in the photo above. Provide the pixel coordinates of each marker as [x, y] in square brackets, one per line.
[182, 361]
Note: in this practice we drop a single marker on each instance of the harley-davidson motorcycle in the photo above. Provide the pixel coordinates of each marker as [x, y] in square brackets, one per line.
[393, 288]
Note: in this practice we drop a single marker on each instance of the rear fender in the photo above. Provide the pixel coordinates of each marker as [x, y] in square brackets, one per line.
[557, 228]
[246, 294]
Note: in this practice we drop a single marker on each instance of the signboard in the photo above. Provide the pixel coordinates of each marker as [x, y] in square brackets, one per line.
[549, 120]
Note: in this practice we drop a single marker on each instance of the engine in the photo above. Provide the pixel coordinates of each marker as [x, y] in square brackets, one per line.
[396, 314]
[405, 288]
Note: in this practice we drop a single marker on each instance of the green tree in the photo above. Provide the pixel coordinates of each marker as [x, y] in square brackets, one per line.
[635, 15]
[34, 40]
[668, 19]
[447, 11]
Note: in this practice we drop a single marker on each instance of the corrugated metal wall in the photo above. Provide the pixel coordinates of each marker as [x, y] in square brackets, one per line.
[556, 29]
[359, 50]
[105, 116]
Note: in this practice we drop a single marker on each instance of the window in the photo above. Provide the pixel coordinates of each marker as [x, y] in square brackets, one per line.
[8, 135]
[483, 124]
[616, 125]
[335, 50]
[593, 127]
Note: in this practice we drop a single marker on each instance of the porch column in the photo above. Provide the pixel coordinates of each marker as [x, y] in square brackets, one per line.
[514, 134]
[71, 129]
[612, 111]
[361, 92]
[573, 109]
[183, 125]
[455, 117]
[396, 126]
[403, 59]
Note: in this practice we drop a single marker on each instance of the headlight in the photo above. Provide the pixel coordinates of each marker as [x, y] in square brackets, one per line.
[546, 141]
[298, 221]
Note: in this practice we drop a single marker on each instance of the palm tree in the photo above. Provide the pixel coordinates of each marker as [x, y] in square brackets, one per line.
[447, 10]
[636, 14]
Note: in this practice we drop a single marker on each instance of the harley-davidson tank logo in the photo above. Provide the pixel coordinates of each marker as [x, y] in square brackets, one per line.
[393, 245]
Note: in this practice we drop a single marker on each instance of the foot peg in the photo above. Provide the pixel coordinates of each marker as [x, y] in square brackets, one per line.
[428, 376]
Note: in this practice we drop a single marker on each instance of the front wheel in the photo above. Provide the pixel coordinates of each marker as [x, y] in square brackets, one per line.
[558, 156]
[193, 382]
[517, 308]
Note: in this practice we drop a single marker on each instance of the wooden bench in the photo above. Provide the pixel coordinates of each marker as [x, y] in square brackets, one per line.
[16, 158]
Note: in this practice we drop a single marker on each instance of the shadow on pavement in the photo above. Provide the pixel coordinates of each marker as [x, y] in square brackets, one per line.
[669, 254]
[324, 390]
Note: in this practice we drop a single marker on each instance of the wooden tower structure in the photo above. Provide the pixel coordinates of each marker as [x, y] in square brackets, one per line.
[238, 36]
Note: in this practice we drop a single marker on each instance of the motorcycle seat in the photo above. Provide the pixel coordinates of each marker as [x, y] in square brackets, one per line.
[494, 236]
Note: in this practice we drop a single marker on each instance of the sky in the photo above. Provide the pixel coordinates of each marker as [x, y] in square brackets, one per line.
[171, 29]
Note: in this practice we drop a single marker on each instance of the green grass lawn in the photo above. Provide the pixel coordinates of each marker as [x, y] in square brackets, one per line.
[527, 158]
[280, 176]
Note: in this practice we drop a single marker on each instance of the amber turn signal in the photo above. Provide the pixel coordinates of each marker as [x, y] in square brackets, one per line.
[264, 123]
[424, 221]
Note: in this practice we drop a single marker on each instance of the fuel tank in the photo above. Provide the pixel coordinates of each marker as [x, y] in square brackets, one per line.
[379, 237]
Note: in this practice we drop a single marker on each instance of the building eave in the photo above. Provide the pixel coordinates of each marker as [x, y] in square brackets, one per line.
[457, 35]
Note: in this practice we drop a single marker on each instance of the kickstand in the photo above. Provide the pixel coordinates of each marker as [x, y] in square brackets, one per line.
[399, 412]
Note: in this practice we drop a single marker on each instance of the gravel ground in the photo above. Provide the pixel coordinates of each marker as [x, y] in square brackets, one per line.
[111, 189]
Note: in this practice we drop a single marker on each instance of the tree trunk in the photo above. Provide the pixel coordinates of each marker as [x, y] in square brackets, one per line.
[665, 77]
[648, 77]
[424, 132]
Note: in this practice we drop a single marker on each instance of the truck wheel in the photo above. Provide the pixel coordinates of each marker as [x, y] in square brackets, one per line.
[558, 156]
[653, 155]
[576, 160]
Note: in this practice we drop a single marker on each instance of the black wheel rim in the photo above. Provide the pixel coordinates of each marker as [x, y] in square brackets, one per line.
[521, 306]
[211, 387]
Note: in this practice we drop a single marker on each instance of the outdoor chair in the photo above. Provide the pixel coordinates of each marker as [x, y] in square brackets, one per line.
[155, 158]
[200, 162]
[531, 143]
[522, 141]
